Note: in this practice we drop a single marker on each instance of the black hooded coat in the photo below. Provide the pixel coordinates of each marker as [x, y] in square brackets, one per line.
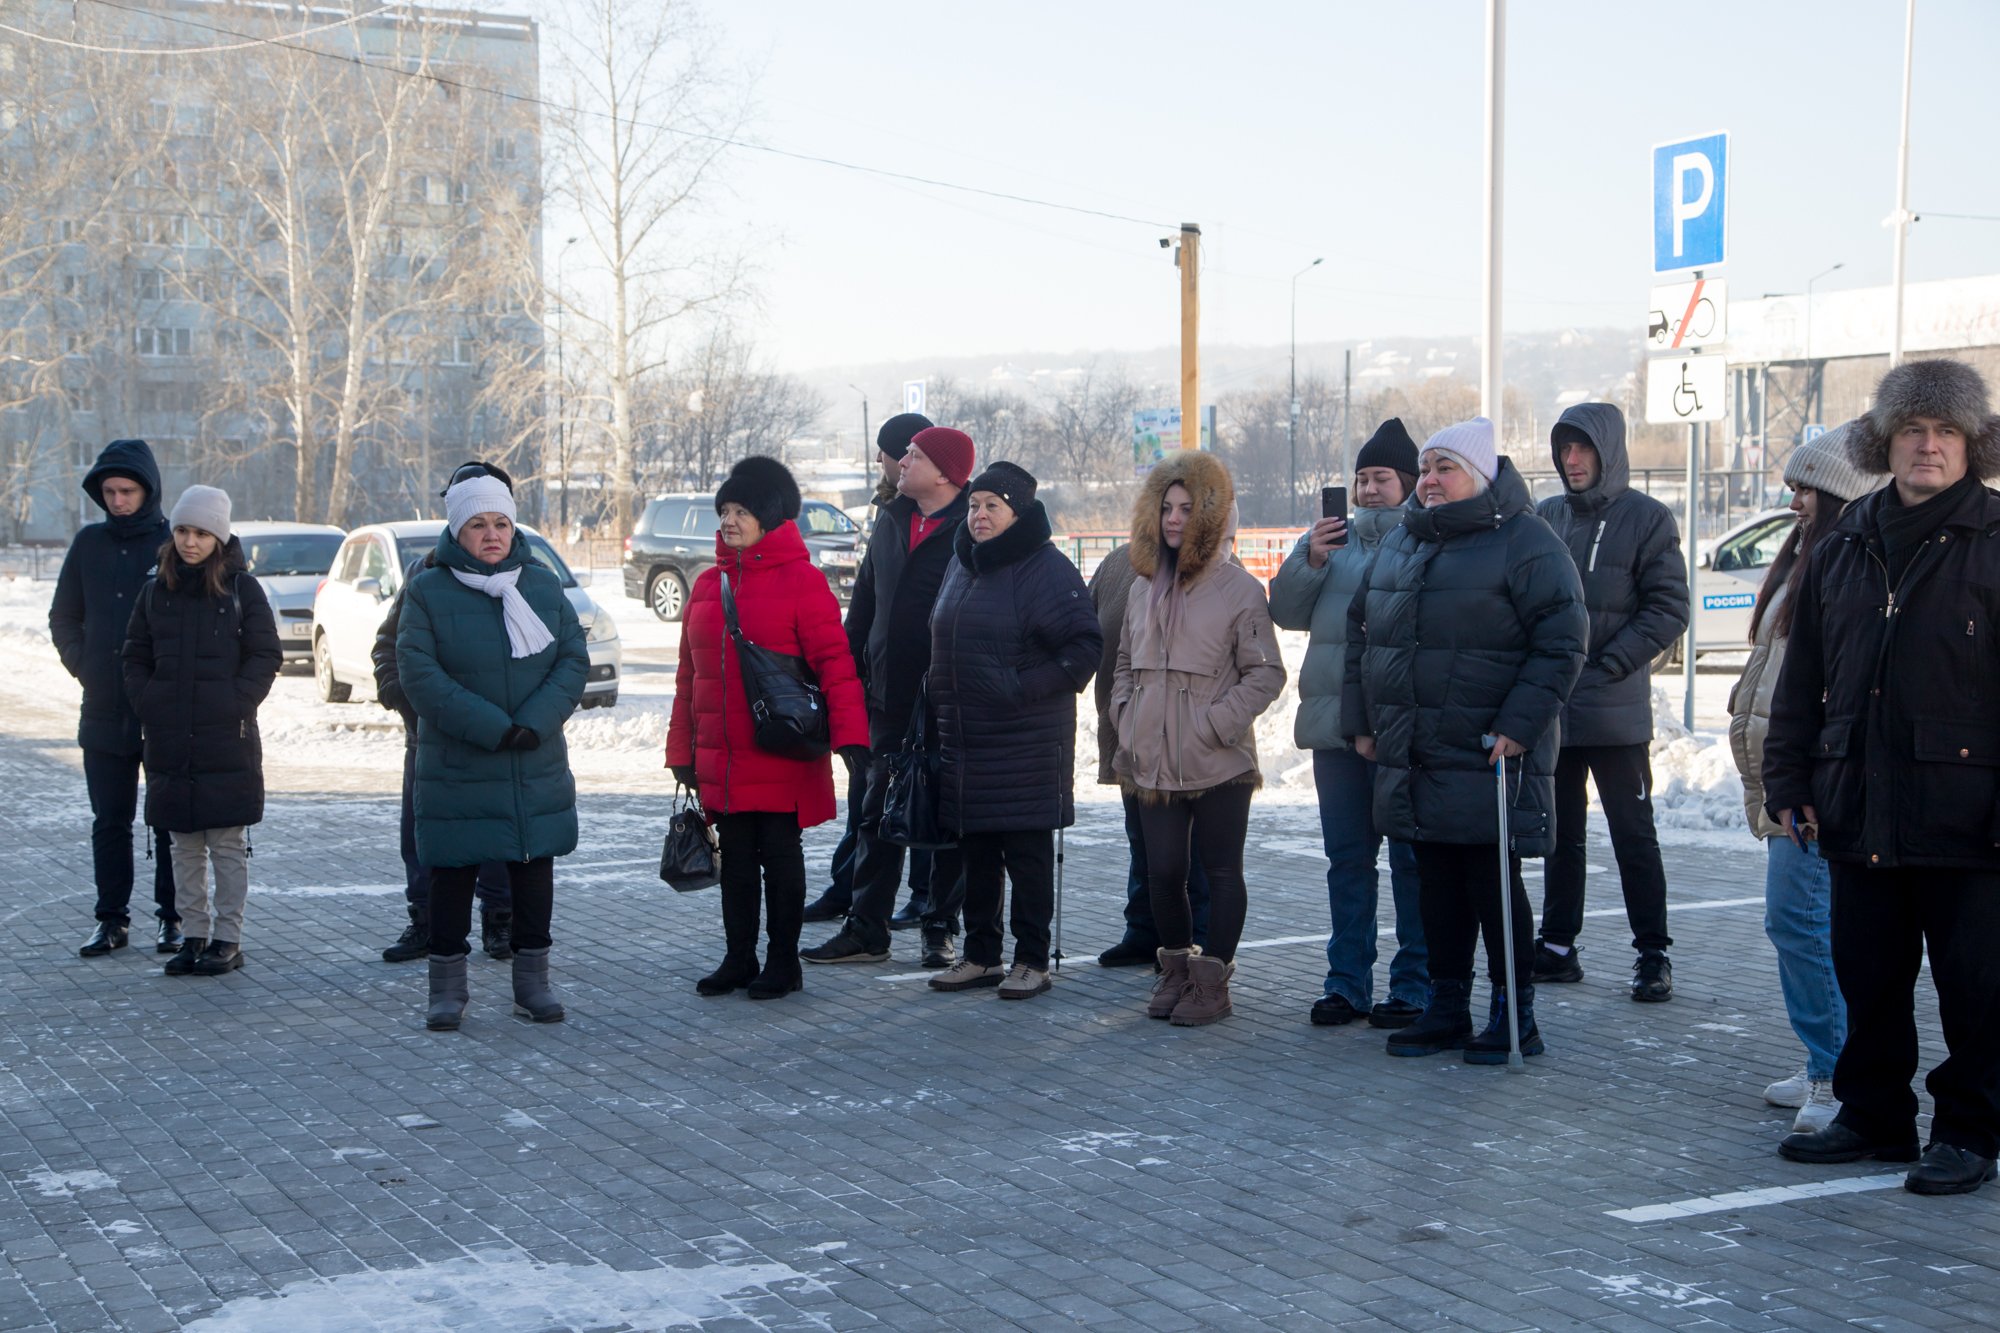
[1628, 553]
[107, 565]
[196, 667]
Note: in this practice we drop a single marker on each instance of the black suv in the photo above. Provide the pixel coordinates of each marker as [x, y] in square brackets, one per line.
[674, 541]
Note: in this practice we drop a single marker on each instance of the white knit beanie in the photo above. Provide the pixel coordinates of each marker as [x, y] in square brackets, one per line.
[1824, 465]
[204, 507]
[474, 496]
[1471, 442]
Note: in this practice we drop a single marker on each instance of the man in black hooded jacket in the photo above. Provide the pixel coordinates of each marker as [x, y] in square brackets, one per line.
[1628, 553]
[107, 565]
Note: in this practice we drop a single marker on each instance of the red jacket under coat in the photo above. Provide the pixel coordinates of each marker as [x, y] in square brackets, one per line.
[783, 603]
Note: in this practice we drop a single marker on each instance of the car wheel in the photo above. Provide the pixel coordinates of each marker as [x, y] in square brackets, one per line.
[667, 595]
[331, 688]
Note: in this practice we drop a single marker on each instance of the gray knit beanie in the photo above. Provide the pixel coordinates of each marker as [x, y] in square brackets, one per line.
[1825, 465]
[204, 507]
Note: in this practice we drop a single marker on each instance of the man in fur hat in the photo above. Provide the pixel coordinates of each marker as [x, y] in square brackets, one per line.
[1885, 746]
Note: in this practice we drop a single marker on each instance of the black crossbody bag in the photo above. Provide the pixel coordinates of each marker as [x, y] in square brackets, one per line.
[787, 705]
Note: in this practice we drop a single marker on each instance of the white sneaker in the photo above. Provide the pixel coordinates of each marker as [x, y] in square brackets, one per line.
[1819, 1110]
[1789, 1091]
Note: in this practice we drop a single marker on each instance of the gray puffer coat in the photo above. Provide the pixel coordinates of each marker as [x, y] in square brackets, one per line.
[1628, 551]
[1469, 622]
[1317, 599]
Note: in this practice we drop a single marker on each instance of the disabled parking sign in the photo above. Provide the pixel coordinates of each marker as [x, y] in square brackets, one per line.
[1690, 202]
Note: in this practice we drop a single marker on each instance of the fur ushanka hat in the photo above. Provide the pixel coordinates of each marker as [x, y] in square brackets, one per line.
[1947, 390]
[765, 487]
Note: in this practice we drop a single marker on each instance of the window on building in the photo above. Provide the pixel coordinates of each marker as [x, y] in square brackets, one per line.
[149, 284]
[505, 149]
[161, 340]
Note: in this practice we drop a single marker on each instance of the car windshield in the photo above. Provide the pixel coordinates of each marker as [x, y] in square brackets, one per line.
[291, 553]
[410, 548]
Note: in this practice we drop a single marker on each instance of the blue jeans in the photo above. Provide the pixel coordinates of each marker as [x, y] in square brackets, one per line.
[1346, 784]
[1798, 918]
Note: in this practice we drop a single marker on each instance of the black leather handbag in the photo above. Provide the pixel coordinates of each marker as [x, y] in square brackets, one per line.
[787, 706]
[910, 796]
[688, 858]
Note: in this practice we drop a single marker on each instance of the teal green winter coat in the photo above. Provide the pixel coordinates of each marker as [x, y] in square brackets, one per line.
[1317, 599]
[476, 802]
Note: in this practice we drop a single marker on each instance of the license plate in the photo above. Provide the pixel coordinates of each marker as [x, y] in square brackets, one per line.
[300, 630]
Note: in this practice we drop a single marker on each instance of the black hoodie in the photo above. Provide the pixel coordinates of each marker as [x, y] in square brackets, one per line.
[100, 581]
[1628, 552]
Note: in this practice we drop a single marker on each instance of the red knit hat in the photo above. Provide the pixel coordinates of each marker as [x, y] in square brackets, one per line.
[950, 451]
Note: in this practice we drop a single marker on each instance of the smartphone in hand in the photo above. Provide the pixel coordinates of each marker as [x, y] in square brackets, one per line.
[1333, 504]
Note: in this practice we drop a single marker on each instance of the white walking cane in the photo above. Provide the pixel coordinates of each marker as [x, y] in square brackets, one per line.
[1514, 1060]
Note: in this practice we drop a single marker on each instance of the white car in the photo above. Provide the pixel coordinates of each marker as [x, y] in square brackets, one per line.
[368, 572]
[1727, 576]
[290, 560]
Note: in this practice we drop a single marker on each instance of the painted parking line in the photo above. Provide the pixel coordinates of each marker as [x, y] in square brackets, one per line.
[1722, 1203]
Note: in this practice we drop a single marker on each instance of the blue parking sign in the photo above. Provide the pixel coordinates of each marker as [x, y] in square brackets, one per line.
[1690, 212]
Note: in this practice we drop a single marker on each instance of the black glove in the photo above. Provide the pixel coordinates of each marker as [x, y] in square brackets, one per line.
[857, 756]
[685, 775]
[519, 738]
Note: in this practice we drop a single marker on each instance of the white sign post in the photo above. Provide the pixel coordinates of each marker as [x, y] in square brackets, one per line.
[1690, 231]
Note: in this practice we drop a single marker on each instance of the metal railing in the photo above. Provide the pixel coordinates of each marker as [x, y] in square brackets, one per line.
[31, 562]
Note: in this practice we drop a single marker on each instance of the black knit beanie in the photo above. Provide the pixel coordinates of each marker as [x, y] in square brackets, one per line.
[1010, 481]
[1389, 446]
[765, 487]
[894, 437]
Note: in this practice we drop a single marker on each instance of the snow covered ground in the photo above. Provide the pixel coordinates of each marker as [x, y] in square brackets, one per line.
[310, 745]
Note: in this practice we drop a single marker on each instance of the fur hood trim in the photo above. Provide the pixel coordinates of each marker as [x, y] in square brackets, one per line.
[1214, 495]
[1948, 390]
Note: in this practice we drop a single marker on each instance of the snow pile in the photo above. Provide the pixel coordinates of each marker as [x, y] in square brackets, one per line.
[638, 723]
[1695, 782]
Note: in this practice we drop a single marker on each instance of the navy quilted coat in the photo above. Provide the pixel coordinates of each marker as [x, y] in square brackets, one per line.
[476, 802]
[196, 667]
[1469, 622]
[1014, 639]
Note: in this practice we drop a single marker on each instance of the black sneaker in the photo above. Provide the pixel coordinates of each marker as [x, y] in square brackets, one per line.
[496, 935]
[1652, 977]
[412, 944]
[1333, 1011]
[939, 951]
[826, 907]
[846, 947]
[1549, 965]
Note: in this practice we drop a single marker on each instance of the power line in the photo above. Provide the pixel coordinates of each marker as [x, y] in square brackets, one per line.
[530, 100]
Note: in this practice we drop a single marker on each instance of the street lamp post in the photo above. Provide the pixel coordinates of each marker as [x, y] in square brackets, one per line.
[1814, 380]
[1292, 422]
[562, 406]
[864, 425]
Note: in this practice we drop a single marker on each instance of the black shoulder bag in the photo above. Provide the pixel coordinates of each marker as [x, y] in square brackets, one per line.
[786, 703]
[911, 791]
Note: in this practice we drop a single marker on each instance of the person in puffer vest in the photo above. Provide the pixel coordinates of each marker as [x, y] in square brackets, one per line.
[1014, 639]
[1198, 664]
[760, 801]
[1463, 642]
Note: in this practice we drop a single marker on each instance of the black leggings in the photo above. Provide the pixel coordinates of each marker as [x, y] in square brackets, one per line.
[1218, 820]
[534, 886]
[1458, 892]
[766, 843]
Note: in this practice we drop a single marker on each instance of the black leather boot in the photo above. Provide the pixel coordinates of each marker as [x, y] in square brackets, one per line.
[1490, 1046]
[415, 941]
[1445, 1026]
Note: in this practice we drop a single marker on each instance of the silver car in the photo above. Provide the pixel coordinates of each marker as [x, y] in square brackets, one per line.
[290, 560]
[368, 572]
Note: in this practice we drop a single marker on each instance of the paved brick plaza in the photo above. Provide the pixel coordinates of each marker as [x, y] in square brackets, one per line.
[287, 1146]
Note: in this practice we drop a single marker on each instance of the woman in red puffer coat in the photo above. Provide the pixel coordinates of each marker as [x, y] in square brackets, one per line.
[759, 801]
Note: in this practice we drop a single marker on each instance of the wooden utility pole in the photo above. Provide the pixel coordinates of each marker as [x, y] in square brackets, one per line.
[1188, 256]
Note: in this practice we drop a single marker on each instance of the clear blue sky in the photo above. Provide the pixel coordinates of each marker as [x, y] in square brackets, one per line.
[1344, 129]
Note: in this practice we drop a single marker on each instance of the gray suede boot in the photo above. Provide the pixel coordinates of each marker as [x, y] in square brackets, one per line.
[448, 994]
[532, 996]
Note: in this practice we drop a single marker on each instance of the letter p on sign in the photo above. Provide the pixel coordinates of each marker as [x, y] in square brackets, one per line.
[1690, 202]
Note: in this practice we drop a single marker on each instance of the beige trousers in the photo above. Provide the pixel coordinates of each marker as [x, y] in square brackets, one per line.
[220, 918]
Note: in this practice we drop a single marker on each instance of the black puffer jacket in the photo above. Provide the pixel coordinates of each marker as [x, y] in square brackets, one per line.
[1469, 622]
[1889, 725]
[388, 676]
[107, 565]
[888, 621]
[1628, 551]
[196, 667]
[1014, 639]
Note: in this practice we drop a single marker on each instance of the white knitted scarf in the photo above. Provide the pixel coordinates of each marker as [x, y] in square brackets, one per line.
[526, 634]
